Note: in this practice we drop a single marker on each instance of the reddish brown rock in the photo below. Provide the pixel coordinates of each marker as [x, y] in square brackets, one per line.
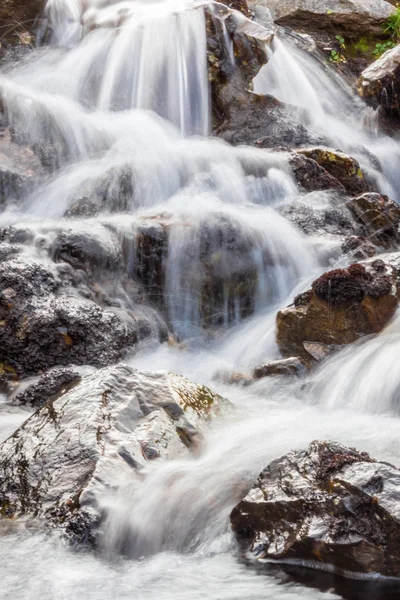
[342, 306]
[379, 215]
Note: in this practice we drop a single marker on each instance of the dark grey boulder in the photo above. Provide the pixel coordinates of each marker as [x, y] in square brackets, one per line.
[329, 506]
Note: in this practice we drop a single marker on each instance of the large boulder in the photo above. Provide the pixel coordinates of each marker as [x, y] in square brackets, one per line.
[44, 322]
[379, 85]
[329, 507]
[341, 306]
[77, 446]
[354, 18]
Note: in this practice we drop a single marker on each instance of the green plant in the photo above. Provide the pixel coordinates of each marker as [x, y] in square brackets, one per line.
[393, 24]
[361, 46]
[341, 41]
[381, 47]
[336, 57]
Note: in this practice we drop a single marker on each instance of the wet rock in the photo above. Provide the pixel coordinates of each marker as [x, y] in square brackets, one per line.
[341, 306]
[352, 18]
[311, 176]
[289, 367]
[358, 248]
[329, 507]
[239, 116]
[246, 47]
[37, 392]
[20, 170]
[211, 259]
[44, 323]
[233, 377]
[379, 215]
[264, 122]
[94, 248]
[322, 213]
[343, 168]
[379, 86]
[240, 5]
[58, 465]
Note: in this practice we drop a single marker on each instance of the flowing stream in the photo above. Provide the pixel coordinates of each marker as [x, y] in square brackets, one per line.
[122, 89]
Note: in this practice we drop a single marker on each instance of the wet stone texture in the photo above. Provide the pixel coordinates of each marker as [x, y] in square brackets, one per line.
[328, 506]
[79, 444]
[341, 306]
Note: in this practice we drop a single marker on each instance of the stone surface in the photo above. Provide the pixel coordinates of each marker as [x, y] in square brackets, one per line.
[17, 18]
[20, 170]
[341, 306]
[352, 17]
[289, 367]
[38, 391]
[44, 321]
[328, 506]
[343, 168]
[379, 83]
[379, 215]
[63, 458]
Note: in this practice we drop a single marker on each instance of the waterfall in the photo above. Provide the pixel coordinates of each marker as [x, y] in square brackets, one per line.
[330, 107]
[170, 221]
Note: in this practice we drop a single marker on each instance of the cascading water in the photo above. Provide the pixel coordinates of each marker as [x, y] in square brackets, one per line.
[114, 104]
[330, 108]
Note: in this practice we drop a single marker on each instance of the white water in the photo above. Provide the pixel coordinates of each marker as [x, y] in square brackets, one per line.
[89, 96]
[331, 109]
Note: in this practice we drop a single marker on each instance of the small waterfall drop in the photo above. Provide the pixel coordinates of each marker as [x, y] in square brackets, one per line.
[329, 107]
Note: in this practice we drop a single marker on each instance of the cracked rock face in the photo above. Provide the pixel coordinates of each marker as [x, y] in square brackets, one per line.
[81, 443]
[327, 505]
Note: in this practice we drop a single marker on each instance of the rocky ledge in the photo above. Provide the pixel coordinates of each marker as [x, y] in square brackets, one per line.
[329, 507]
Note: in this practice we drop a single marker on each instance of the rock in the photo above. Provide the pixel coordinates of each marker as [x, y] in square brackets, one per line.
[289, 367]
[322, 213]
[329, 507]
[44, 323]
[341, 306]
[233, 377]
[264, 122]
[358, 248]
[17, 19]
[93, 249]
[20, 170]
[352, 18]
[38, 391]
[104, 430]
[240, 5]
[379, 215]
[212, 258]
[343, 168]
[236, 50]
[379, 86]
[311, 176]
